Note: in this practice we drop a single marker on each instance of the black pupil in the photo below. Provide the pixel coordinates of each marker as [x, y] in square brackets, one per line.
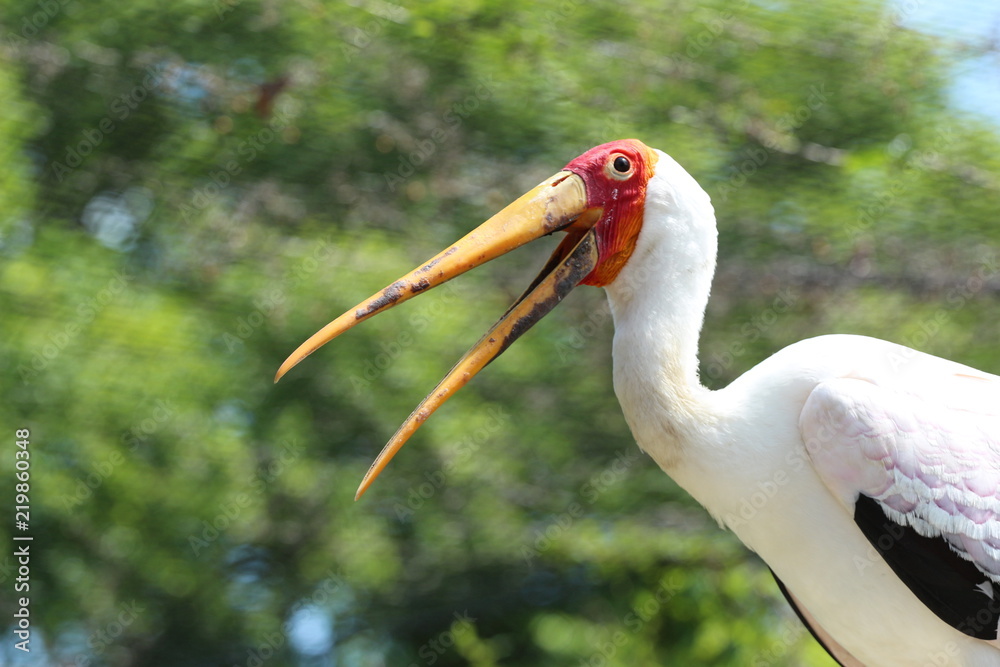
[622, 164]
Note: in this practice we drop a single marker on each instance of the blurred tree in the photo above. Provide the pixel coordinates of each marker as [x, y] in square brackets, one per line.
[189, 190]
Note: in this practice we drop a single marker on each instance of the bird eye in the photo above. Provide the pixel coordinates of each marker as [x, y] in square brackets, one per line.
[619, 167]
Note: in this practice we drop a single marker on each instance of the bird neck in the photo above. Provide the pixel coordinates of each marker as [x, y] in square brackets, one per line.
[656, 366]
[658, 304]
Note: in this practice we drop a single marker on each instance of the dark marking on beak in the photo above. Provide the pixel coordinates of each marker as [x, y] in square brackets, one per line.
[389, 296]
[431, 264]
[575, 269]
[541, 309]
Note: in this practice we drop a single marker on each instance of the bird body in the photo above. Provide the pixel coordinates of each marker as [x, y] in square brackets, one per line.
[866, 474]
[753, 454]
[754, 470]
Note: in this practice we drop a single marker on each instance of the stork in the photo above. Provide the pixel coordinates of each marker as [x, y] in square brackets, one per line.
[881, 463]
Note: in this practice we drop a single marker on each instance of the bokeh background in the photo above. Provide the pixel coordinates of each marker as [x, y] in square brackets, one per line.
[190, 189]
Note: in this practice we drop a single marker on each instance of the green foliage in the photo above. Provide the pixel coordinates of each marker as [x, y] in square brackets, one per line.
[190, 189]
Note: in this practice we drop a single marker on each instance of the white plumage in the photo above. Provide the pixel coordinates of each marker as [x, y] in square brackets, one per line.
[781, 455]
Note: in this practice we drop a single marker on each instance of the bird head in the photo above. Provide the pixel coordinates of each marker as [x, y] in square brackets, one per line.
[597, 200]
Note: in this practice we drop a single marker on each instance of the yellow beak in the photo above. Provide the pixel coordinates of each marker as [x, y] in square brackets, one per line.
[558, 203]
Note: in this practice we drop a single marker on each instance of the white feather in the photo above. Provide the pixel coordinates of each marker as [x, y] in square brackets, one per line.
[740, 451]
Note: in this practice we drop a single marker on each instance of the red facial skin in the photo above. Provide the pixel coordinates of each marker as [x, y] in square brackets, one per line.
[621, 195]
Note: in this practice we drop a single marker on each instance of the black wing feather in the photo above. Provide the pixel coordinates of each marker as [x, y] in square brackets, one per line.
[949, 585]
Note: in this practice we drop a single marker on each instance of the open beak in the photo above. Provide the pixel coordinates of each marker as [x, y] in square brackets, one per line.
[558, 203]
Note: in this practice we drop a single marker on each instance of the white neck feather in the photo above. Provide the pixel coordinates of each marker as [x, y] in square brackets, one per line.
[658, 304]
